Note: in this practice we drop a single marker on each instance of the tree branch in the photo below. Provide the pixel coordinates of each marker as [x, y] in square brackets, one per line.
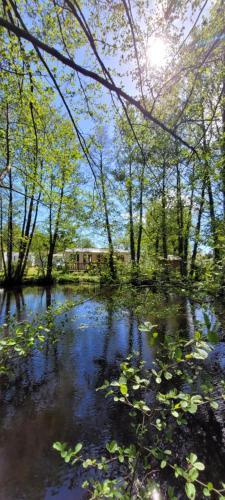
[21, 33]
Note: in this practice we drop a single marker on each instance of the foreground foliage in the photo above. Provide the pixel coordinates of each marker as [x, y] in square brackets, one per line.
[161, 403]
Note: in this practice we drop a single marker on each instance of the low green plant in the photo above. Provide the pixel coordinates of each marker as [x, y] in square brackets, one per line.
[20, 340]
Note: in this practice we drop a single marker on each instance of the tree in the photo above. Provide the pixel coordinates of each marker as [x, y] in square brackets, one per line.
[62, 183]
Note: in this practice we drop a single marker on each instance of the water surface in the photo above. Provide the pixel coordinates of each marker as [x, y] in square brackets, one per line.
[55, 398]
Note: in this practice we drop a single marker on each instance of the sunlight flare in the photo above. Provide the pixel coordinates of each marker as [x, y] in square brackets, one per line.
[157, 52]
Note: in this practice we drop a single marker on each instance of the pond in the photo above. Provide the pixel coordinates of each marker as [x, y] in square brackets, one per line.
[54, 396]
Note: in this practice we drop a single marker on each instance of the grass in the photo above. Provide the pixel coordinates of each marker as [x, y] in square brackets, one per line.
[33, 276]
[76, 278]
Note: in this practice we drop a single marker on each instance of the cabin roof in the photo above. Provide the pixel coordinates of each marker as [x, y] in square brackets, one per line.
[93, 250]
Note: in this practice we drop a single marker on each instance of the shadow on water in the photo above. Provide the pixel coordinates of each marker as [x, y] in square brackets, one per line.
[55, 398]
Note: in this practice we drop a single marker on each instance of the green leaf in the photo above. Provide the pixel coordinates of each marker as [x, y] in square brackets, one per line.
[190, 490]
[193, 458]
[78, 448]
[200, 354]
[57, 446]
[192, 408]
[145, 408]
[112, 447]
[214, 405]
[199, 466]
[123, 389]
[88, 462]
[178, 353]
[193, 474]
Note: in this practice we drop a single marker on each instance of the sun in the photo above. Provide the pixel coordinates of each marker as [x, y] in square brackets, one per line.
[157, 52]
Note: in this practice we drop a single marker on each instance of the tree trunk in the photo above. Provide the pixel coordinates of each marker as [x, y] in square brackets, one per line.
[180, 223]
[9, 275]
[140, 228]
[164, 228]
[30, 238]
[50, 263]
[223, 144]
[210, 195]
[197, 229]
[112, 267]
[28, 227]
[1, 237]
[213, 220]
[131, 221]
[187, 232]
[53, 236]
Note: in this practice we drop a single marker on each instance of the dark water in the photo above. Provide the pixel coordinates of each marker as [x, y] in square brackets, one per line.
[55, 398]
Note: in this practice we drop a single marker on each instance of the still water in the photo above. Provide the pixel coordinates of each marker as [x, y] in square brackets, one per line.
[54, 397]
